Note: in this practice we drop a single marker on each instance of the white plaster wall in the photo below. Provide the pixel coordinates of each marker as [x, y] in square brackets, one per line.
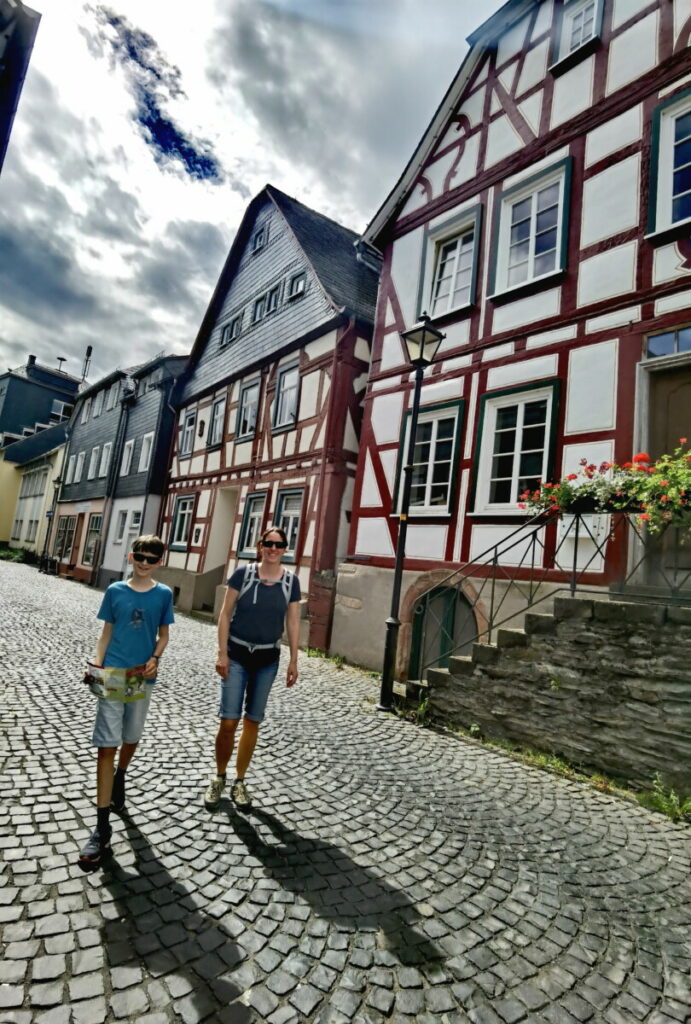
[681, 300]
[622, 10]
[534, 67]
[373, 538]
[467, 165]
[243, 452]
[416, 200]
[573, 92]
[608, 274]
[389, 460]
[425, 541]
[620, 318]
[502, 140]
[610, 201]
[441, 391]
[668, 264]
[595, 452]
[591, 394]
[613, 135]
[436, 172]
[362, 349]
[544, 18]
[632, 53]
[527, 311]
[511, 42]
[384, 385]
[473, 106]
[486, 536]
[405, 270]
[459, 363]
[177, 559]
[370, 496]
[522, 371]
[498, 352]
[386, 417]
[531, 110]
[350, 440]
[391, 352]
[203, 503]
[455, 335]
[114, 555]
[535, 168]
[196, 465]
[682, 12]
[213, 461]
[318, 348]
[309, 391]
[550, 337]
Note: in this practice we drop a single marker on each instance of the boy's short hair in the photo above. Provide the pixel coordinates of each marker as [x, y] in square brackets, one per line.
[149, 542]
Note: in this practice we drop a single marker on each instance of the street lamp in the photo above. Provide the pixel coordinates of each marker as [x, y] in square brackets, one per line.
[422, 343]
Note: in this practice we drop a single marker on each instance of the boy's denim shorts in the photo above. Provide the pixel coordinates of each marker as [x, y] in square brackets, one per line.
[118, 722]
[250, 687]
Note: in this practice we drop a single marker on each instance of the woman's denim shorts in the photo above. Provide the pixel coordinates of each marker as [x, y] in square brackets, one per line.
[249, 687]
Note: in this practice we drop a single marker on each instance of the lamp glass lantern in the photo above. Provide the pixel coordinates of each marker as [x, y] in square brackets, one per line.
[422, 341]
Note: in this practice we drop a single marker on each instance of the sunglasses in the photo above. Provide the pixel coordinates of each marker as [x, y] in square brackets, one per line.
[149, 559]
[280, 544]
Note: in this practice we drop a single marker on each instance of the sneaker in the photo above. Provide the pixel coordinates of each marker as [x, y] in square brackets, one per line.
[96, 849]
[212, 797]
[117, 797]
[239, 795]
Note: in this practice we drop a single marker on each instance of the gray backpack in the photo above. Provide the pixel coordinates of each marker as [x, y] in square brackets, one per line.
[251, 579]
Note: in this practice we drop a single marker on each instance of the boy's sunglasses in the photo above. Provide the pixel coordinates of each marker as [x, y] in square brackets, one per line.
[150, 559]
[280, 544]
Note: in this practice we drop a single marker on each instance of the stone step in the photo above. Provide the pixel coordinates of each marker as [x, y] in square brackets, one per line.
[485, 654]
[437, 675]
[461, 665]
[512, 638]
[539, 622]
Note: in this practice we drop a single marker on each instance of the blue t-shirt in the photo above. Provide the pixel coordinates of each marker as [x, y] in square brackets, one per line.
[259, 615]
[136, 616]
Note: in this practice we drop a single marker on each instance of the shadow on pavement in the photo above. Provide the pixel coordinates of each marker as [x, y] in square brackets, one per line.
[166, 929]
[336, 888]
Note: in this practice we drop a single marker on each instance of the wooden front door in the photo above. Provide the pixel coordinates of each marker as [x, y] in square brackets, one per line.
[670, 420]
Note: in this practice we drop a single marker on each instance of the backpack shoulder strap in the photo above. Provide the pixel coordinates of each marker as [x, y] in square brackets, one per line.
[287, 585]
[248, 579]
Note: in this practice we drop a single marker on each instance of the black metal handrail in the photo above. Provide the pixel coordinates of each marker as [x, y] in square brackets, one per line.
[492, 592]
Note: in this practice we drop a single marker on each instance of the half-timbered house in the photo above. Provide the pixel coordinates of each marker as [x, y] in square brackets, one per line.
[269, 416]
[543, 223]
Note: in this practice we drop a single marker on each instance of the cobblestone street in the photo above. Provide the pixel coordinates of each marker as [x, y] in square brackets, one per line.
[387, 872]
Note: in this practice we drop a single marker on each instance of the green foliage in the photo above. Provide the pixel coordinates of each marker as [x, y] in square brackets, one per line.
[336, 659]
[554, 685]
[669, 803]
[16, 555]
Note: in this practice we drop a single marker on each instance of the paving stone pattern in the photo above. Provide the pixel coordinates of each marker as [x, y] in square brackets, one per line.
[387, 873]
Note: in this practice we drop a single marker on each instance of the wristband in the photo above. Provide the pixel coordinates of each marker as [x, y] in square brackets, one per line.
[156, 656]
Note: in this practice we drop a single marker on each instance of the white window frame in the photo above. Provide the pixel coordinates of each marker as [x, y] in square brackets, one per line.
[457, 227]
[259, 309]
[98, 404]
[572, 12]
[17, 526]
[231, 330]
[297, 285]
[187, 433]
[284, 418]
[69, 475]
[255, 505]
[86, 409]
[93, 462]
[243, 405]
[260, 238]
[126, 461]
[120, 526]
[217, 421]
[92, 538]
[272, 297]
[105, 458]
[32, 530]
[558, 175]
[112, 395]
[145, 452]
[435, 415]
[181, 527]
[661, 197]
[290, 521]
[79, 468]
[486, 446]
[136, 522]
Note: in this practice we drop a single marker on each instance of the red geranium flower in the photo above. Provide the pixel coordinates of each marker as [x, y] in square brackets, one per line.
[641, 457]
[572, 476]
[644, 515]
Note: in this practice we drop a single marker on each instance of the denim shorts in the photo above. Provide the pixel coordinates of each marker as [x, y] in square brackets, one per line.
[249, 686]
[118, 722]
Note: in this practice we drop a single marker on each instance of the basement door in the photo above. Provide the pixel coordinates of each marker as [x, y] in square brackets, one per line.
[443, 624]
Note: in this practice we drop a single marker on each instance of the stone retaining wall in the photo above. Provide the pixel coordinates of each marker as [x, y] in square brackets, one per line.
[606, 685]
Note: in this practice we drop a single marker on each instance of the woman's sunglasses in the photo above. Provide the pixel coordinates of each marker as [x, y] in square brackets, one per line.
[280, 544]
[150, 559]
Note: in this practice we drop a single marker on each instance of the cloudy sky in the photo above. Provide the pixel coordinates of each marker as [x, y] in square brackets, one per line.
[145, 127]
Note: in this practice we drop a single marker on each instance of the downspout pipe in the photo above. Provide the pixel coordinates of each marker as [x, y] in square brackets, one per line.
[111, 482]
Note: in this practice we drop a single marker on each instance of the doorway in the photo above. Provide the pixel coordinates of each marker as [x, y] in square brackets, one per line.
[443, 624]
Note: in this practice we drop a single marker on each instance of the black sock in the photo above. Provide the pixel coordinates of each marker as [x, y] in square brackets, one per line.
[221, 775]
[103, 819]
[120, 771]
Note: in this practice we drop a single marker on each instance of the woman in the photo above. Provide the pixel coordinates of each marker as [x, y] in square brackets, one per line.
[260, 599]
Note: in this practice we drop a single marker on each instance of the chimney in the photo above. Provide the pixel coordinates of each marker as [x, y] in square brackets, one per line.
[31, 361]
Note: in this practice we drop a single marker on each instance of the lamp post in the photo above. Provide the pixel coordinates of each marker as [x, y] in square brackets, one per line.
[422, 343]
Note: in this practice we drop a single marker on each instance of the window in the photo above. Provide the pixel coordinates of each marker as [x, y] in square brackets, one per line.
[670, 173]
[532, 233]
[136, 520]
[64, 537]
[217, 421]
[80, 467]
[98, 404]
[433, 475]
[288, 512]
[33, 483]
[515, 449]
[126, 463]
[120, 526]
[92, 535]
[286, 406]
[670, 343]
[112, 395]
[248, 410]
[451, 261]
[259, 309]
[17, 529]
[252, 523]
[59, 411]
[272, 299]
[69, 476]
[182, 522]
[296, 288]
[259, 239]
[579, 31]
[85, 409]
[231, 331]
[105, 459]
[145, 453]
[32, 530]
[93, 462]
[187, 433]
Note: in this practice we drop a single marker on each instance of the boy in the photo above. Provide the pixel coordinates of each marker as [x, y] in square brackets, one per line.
[136, 614]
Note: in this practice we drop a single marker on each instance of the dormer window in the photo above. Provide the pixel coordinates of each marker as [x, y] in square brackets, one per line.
[296, 288]
[259, 239]
[579, 32]
[272, 300]
[231, 331]
[259, 309]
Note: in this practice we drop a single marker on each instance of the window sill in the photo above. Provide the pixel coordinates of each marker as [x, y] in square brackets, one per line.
[284, 428]
[669, 233]
[178, 547]
[520, 291]
[215, 447]
[570, 60]
[451, 315]
[424, 514]
[294, 298]
[498, 513]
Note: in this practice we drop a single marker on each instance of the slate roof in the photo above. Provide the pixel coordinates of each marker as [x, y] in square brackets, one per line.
[40, 443]
[330, 248]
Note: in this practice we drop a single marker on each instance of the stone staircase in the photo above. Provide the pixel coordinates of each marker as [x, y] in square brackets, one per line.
[605, 684]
